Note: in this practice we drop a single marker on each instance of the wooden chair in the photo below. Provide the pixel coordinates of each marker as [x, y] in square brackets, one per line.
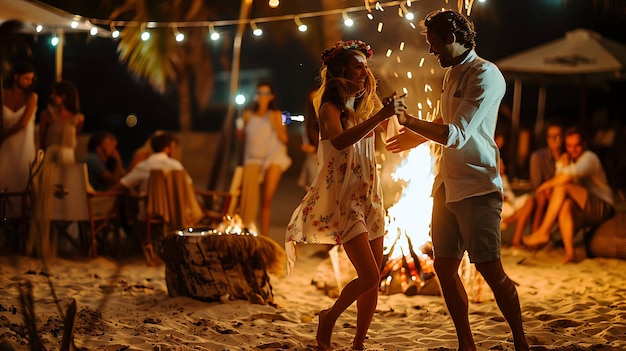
[172, 203]
[220, 204]
[75, 200]
[25, 199]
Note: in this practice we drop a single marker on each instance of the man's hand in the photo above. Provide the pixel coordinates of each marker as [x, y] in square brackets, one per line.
[404, 140]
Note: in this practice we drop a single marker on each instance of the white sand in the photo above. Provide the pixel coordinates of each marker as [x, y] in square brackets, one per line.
[566, 307]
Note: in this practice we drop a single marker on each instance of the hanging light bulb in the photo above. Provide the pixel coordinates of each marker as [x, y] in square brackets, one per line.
[114, 32]
[404, 12]
[274, 3]
[256, 30]
[74, 24]
[347, 20]
[145, 35]
[177, 35]
[54, 41]
[301, 26]
[39, 28]
[93, 30]
[214, 35]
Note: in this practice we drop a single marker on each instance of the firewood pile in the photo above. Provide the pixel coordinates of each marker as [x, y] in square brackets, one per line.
[408, 271]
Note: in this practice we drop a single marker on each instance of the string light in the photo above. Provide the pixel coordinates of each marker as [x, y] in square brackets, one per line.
[177, 35]
[39, 28]
[54, 41]
[145, 35]
[465, 6]
[74, 24]
[114, 32]
[256, 30]
[301, 26]
[274, 3]
[93, 30]
[404, 12]
[214, 35]
[346, 19]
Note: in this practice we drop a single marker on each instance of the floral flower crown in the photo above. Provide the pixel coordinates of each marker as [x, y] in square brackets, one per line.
[346, 45]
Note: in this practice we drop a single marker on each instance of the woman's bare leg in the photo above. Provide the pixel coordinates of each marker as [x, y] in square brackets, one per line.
[271, 180]
[367, 302]
[368, 275]
[523, 215]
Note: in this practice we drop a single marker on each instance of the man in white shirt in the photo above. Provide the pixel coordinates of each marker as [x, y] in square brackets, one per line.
[581, 195]
[467, 191]
[137, 178]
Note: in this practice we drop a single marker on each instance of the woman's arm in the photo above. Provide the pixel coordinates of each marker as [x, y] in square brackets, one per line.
[241, 127]
[80, 123]
[330, 121]
[29, 111]
[281, 129]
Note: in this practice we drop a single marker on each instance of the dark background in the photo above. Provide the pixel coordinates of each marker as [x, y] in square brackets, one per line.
[284, 56]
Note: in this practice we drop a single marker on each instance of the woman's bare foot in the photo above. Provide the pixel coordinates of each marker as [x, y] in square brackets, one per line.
[358, 345]
[324, 331]
[569, 259]
[536, 240]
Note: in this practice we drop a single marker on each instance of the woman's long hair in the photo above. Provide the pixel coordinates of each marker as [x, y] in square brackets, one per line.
[68, 91]
[336, 89]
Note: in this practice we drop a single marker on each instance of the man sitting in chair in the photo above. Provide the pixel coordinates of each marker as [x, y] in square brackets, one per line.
[104, 164]
[137, 178]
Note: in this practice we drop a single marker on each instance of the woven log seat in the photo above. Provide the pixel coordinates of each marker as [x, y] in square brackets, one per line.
[206, 265]
[609, 239]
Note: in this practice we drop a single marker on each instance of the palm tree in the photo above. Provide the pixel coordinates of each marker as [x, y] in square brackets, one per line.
[166, 64]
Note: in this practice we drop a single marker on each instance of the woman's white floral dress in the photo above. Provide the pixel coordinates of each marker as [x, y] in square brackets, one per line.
[344, 200]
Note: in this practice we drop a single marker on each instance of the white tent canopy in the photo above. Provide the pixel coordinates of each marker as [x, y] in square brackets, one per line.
[581, 58]
[53, 20]
[34, 13]
[581, 51]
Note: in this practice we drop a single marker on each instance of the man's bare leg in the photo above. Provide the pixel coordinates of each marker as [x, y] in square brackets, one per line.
[455, 296]
[506, 298]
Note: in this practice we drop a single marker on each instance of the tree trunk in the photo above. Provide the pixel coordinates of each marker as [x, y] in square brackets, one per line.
[184, 103]
[222, 168]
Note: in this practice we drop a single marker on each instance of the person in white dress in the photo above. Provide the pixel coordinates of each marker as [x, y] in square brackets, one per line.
[265, 157]
[343, 205]
[17, 141]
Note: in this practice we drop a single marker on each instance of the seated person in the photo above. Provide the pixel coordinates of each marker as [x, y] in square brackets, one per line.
[542, 167]
[136, 180]
[511, 203]
[581, 196]
[104, 164]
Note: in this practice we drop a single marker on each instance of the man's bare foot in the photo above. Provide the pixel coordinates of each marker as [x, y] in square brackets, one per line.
[324, 331]
[535, 240]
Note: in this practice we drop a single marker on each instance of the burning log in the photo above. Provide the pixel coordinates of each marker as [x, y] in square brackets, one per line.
[409, 273]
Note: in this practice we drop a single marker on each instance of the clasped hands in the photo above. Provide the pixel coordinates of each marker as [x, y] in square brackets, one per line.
[398, 104]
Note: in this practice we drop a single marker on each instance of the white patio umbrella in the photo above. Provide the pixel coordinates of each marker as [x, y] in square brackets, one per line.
[581, 58]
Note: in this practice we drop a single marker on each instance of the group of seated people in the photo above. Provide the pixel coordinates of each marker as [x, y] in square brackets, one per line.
[568, 187]
[106, 170]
